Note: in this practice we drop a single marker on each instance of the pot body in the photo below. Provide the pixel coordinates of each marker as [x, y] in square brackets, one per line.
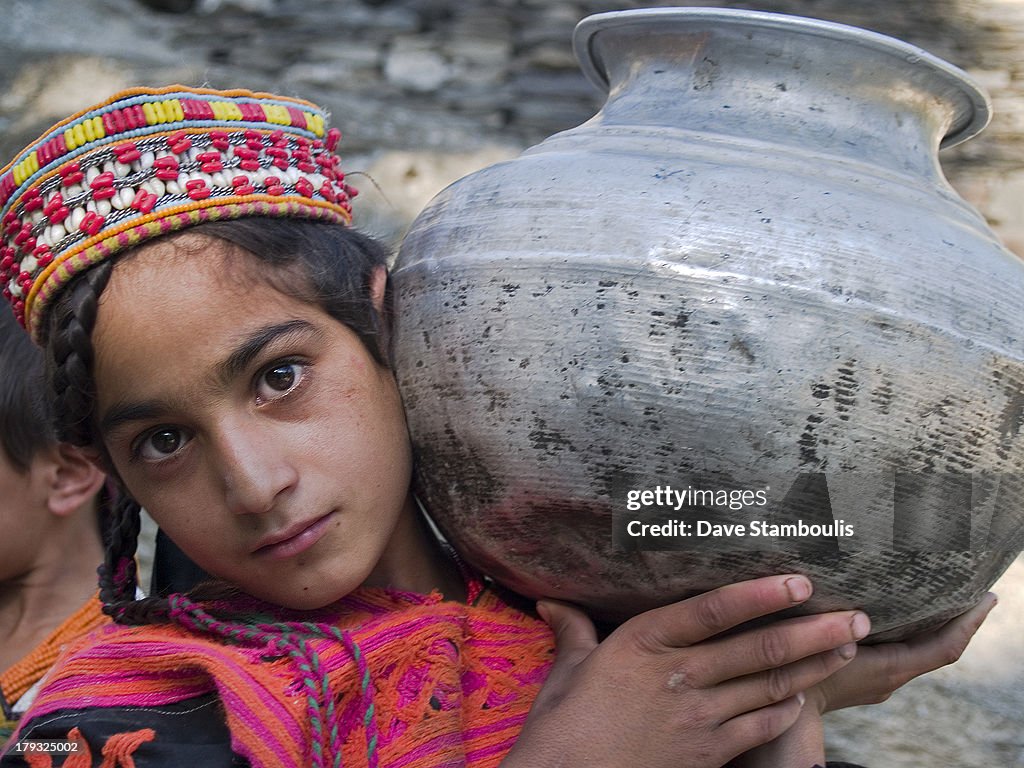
[745, 273]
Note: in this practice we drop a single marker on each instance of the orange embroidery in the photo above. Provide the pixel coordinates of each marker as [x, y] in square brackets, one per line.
[80, 759]
[118, 751]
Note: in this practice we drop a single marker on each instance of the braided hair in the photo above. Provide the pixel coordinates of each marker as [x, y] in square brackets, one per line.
[316, 262]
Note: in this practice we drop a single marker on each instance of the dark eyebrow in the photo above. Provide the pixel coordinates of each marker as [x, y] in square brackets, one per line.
[122, 414]
[255, 342]
[236, 363]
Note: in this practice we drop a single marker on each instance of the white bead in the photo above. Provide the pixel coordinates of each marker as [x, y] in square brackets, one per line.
[117, 201]
[29, 263]
[121, 170]
[15, 289]
[91, 174]
[57, 233]
[156, 186]
[292, 175]
[73, 191]
[90, 206]
[146, 160]
[173, 188]
[103, 207]
[36, 216]
[75, 218]
[220, 180]
[108, 167]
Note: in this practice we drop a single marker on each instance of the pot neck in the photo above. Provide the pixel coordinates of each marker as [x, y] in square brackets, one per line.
[814, 86]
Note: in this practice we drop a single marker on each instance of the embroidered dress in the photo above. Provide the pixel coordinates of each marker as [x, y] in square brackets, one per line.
[382, 678]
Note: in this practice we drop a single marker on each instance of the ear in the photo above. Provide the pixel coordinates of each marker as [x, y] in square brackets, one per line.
[378, 288]
[76, 480]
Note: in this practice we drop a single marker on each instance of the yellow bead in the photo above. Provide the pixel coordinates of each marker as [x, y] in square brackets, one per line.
[90, 135]
[176, 111]
[97, 127]
[69, 139]
[150, 113]
[19, 174]
[158, 111]
[233, 112]
[218, 109]
[33, 163]
[79, 132]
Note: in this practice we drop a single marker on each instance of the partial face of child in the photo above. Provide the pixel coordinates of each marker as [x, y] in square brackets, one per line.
[23, 514]
[256, 430]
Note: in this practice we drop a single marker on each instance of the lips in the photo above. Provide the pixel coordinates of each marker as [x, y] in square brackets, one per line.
[293, 540]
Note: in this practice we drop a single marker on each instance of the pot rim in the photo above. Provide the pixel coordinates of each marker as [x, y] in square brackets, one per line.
[966, 125]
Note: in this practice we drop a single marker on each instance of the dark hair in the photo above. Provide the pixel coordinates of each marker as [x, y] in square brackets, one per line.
[326, 264]
[25, 419]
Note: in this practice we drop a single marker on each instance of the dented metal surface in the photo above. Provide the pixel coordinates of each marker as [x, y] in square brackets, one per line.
[747, 269]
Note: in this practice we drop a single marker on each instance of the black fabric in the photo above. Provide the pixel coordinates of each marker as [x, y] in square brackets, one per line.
[190, 733]
[173, 571]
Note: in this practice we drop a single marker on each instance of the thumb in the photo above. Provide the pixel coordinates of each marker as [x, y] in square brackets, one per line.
[575, 636]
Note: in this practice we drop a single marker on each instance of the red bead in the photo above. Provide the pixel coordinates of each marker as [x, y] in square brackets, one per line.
[25, 278]
[127, 153]
[144, 201]
[45, 259]
[23, 234]
[53, 205]
[220, 140]
[249, 165]
[92, 223]
[212, 166]
[197, 189]
[297, 116]
[166, 168]
[33, 204]
[109, 126]
[327, 192]
[305, 166]
[333, 137]
[102, 181]
[304, 187]
[277, 138]
[6, 263]
[281, 163]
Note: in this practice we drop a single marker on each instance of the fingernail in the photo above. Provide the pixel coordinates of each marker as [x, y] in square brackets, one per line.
[542, 611]
[801, 698]
[847, 651]
[799, 588]
[860, 624]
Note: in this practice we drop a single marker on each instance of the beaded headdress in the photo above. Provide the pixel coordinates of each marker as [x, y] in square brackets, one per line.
[148, 162]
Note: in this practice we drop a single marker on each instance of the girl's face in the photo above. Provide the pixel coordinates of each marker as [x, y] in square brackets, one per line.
[255, 429]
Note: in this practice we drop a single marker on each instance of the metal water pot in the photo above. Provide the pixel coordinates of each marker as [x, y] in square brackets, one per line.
[746, 274]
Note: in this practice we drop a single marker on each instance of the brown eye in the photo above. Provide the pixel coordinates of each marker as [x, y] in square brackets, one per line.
[278, 380]
[162, 443]
[281, 378]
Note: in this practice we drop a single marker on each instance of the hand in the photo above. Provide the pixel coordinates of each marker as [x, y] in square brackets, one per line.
[870, 678]
[666, 689]
[880, 669]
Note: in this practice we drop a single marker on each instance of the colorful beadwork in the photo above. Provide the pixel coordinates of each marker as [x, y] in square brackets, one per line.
[152, 161]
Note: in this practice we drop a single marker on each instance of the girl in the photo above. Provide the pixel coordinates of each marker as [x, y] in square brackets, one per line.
[217, 336]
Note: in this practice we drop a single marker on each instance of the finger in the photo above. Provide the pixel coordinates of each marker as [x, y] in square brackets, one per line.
[691, 621]
[752, 729]
[763, 689]
[575, 636]
[925, 653]
[775, 645]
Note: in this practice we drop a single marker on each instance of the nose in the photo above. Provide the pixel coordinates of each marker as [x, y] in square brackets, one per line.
[255, 466]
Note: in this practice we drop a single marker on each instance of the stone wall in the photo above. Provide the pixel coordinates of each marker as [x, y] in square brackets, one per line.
[427, 90]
